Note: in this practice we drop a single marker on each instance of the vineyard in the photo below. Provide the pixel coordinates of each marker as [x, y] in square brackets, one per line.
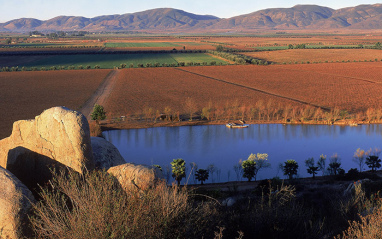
[244, 90]
[23, 95]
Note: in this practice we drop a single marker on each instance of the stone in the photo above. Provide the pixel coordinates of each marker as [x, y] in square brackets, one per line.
[15, 203]
[59, 137]
[132, 176]
[105, 154]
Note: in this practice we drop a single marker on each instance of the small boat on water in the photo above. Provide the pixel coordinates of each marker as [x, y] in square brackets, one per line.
[234, 125]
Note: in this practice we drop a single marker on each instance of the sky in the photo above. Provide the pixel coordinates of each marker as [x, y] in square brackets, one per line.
[47, 9]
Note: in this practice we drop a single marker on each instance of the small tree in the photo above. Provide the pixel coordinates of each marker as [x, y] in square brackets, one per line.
[334, 165]
[219, 48]
[249, 167]
[260, 160]
[311, 168]
[373, 162]
[359, 158]
[202, 175]
[98, 113]
[178, 167]
[290, 168]
[191, 107]
[322, 163]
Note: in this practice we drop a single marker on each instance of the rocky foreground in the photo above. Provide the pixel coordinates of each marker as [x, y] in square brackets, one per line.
[58, 139]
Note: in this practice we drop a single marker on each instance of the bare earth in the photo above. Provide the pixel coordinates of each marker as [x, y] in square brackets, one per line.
[102, 93]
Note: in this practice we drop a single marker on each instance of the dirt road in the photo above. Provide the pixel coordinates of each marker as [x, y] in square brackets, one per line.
[101, 95]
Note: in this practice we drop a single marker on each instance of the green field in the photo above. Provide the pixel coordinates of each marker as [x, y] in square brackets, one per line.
[108, 61]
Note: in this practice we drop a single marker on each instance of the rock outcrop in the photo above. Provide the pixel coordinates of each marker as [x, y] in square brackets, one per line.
[132, 176]
[57, 137]
[105, 154]
[15, 203]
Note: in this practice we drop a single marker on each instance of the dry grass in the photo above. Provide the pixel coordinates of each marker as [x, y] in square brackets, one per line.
[24, 95]
[95, 206]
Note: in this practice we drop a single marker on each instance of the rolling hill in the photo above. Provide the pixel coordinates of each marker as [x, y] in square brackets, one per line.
[311, 17]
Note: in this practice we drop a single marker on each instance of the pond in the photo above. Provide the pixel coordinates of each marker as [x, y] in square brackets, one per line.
[223, 147]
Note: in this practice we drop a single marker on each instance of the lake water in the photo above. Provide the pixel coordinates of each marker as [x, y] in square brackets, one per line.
[223, 147]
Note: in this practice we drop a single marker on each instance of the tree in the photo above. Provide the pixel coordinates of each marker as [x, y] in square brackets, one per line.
[219, 48]
[290, 46]
[322, 163]
[334, 165]
[191, 107]
[98, 113]
[290, 168]
[373, 162]
[359, 158]
[178, 167]
[311, 168]
[212, 169]
[8, 41]
[260, 160]
[202, 175]
[249, 167]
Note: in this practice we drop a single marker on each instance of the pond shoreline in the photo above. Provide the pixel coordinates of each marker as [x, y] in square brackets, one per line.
[134, 124]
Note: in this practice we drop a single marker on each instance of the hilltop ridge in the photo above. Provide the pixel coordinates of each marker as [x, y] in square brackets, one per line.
[309, 17]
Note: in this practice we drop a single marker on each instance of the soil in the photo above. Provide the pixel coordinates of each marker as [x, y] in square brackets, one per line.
[102, 93]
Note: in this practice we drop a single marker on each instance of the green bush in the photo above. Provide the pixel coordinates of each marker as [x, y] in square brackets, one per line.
[98, 113]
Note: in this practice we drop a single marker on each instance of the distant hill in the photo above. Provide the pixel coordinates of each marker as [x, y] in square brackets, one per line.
[311, 17]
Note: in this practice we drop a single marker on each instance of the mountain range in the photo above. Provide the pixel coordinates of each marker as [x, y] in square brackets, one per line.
[309, 17]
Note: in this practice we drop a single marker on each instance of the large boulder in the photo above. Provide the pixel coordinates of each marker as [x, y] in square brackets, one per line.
[59, 137]
[132, 176]
[105, 154]
[15, 202]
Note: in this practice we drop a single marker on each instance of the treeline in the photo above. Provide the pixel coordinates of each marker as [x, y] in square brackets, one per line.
[261, 111]
[239, 59]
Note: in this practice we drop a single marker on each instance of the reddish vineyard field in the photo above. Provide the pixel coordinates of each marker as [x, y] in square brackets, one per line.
[351, 86]
[318, 55]
[23, 95]
[158, 88]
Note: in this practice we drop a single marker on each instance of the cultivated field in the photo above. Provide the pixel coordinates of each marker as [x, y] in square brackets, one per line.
[106, 61]
[348, 86]
[23, 95]
[318, 55]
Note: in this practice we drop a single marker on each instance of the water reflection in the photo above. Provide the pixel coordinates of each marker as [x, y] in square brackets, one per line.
[224, 147]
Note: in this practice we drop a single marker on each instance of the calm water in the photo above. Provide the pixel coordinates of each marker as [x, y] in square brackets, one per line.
[224, 147]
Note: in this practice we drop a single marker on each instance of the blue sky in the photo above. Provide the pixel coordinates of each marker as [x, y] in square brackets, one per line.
[46, 9]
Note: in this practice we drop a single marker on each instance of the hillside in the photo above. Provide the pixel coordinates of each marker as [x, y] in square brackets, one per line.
[311, 17]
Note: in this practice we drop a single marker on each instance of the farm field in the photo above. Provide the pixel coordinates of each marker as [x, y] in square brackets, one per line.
[106, 61]
[23, 95]
[318, 55]
[324, 85]
[158, 88]
[149, 44]
[319, 84]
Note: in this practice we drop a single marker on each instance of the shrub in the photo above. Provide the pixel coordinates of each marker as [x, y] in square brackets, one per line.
[94, 205]
[98, 113]
[80, 67]
[88, 67]
[95, 129]
[97, 67]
